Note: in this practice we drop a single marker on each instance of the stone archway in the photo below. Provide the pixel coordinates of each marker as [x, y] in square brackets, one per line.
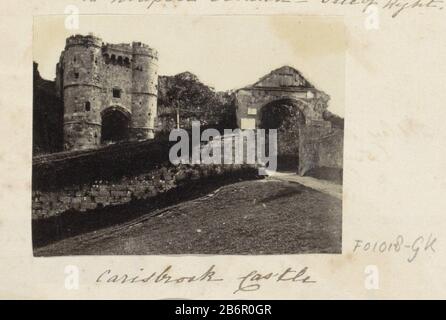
[115, 125]
[287, 117]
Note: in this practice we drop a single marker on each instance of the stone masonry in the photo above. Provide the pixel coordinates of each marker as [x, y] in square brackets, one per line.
[104, 193]
[303, 132]
[107, 89]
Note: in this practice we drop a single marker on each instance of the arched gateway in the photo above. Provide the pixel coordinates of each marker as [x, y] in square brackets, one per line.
[286, 116]
[285, 100]
[115, 124]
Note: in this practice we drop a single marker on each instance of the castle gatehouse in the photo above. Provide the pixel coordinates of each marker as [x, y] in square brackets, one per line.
[109, 91]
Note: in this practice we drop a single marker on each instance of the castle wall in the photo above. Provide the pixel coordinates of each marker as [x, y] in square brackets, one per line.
[116, 77]
[320, 146]
[103, 193]
[331, 149]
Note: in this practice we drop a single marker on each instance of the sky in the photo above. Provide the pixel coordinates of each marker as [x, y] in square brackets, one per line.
[225, 52]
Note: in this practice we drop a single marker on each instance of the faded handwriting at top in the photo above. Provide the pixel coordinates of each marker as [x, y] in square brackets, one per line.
[150, 3]
[394, 7]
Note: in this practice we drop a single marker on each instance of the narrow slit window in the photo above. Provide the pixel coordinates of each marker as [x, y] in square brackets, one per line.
[87, 106]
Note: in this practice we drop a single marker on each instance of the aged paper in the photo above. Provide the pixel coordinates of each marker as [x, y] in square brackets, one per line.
[96, 205]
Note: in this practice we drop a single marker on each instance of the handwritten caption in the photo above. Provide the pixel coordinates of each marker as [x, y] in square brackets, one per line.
[394, 7]
[251, 281]
[412, 248]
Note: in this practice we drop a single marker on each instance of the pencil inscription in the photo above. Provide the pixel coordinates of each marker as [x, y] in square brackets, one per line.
[413, 247]
[394, 7]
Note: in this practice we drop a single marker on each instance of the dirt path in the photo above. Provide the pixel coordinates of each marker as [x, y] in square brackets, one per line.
[330, 188]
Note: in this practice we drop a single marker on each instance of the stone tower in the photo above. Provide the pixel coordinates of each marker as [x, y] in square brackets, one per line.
[109, 91]
[144, 91]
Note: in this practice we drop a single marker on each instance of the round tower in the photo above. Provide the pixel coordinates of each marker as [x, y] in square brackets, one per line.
[144, 91]
[82, 92]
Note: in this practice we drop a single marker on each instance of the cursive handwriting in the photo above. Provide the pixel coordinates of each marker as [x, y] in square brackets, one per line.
[163, 277]
[251, 281]
[394, 7]
[150, 3]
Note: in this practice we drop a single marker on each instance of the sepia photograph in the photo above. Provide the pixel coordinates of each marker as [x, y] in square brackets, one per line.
[159, 135]
[222, 157]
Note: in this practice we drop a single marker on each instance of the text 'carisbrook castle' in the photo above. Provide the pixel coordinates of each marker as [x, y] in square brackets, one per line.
[109, 91]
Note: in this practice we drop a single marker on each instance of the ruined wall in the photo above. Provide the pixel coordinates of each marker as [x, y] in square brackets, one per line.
[103, 193]
[320, 146]
[331, 149]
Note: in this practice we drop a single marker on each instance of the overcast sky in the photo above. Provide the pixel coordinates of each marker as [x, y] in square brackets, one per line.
[225, 52]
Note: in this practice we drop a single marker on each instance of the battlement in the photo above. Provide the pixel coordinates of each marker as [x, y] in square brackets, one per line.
[123, 48]
[81, 40]
[127, 49]
[143, 49]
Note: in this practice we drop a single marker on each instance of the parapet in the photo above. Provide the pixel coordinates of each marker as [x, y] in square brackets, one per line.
[86, 41]
[120, 47]
[143, 49]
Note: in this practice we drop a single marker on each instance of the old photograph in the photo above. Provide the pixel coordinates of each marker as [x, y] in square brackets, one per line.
[187, 135]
